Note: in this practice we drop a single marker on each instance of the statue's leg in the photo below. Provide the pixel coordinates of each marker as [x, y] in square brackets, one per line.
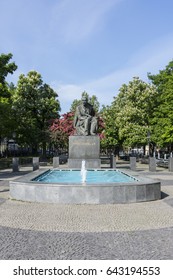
[80, 130]
[87, 125]
[94, 126]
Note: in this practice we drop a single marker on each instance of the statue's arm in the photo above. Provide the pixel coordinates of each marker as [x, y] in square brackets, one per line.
[75, 121]
[81, 114]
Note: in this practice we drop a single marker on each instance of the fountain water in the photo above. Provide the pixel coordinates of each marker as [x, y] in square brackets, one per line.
[83, 172]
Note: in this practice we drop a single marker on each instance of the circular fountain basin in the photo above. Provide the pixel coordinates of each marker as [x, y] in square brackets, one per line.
[101, 187]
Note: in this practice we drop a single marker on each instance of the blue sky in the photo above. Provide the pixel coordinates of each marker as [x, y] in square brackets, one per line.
[91, 45]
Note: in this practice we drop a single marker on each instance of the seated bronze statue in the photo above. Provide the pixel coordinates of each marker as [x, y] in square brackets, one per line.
[85, 121]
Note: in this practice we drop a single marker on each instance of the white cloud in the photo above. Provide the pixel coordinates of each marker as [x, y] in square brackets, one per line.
[75, 20]
[70, 92]
[66, 94]
[151, 58]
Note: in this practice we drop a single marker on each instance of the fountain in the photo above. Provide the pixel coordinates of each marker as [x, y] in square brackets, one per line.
[65, 186]
[83, 172]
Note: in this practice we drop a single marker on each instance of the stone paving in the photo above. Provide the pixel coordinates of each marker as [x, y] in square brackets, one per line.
[120, 231]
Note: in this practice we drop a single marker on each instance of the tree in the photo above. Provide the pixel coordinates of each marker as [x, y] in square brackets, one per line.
[5, 94]
[134, 105]
[163, 114]
[110, 138]
[128, 118]
[61, 129]
[35, 104]
[5, 69]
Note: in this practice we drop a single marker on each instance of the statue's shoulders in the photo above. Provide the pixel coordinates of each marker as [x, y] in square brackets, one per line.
[90, 106]
[79, 107]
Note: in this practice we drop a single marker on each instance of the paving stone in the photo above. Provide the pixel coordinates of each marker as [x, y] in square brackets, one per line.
[23, 244]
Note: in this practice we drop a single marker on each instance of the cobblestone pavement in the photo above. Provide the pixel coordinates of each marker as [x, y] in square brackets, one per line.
[119, 231]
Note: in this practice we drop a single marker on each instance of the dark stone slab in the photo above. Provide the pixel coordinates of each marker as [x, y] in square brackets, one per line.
[130, 192]
[84, 147]
[119, 194]
[141, 193]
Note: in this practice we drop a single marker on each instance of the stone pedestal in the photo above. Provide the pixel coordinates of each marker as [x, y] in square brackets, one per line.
[84, 148]
[112, 161]
[55, 162]
[171, 164]
[15, 164]
[133, 163]
[152, 164]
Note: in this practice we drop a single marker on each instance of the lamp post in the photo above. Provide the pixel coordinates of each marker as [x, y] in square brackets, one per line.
[14, 137]
[148, 138]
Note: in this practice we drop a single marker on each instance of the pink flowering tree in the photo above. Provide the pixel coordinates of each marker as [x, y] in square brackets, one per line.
[61, 129]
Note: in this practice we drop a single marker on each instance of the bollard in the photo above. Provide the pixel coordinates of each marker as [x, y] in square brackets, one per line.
[35, 163]
[112, 161]
[55, 162]
[152, 164]
[133, 163]
[170, 164]
[15, 164]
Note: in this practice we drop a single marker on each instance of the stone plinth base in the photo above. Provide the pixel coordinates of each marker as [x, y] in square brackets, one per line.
[84, 148]
[89, 163]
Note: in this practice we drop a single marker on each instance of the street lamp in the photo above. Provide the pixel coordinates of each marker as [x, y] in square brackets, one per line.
[148, 138]
[14, 137]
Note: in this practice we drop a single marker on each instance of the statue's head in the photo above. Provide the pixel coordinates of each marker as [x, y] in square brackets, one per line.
[84, 99]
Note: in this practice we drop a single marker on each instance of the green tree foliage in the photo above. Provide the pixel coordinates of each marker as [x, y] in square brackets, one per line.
[128, 118]
[5, 95]
[134, 105]
[5, 69]
[109, 139]
[163, 113]
[35, 105]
